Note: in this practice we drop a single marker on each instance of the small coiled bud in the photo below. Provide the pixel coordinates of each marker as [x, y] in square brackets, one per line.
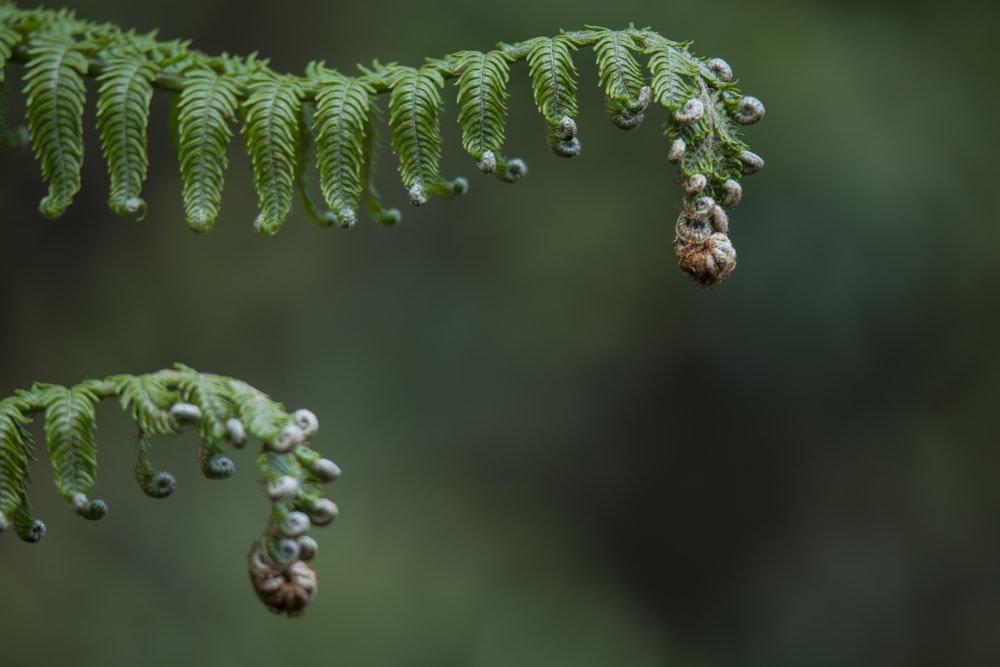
[287, 551]
[346, 217]
[458, 187]
[236, 434]
[721, 69]
[566, 129]
[4, 522]
[752, 163]
[676, 152]
[749, 111]
[703, 208]
[733, 193]
[707, 263]
[283, 590]
[417, 195]
[159, 485]
[283, 487]
[325, 470]
[695, 184]
[720, 220]
[308, 548]
[291, 437]
[323, 511]
[511, 171]
[487, 162]
[690, 113]
[31, 530]
[566, 147]
[307, 421]
[218, 467]
[186, 413]
[92, 510]
[295, 524]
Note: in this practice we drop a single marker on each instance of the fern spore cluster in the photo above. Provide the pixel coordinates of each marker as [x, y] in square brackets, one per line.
[316, 133]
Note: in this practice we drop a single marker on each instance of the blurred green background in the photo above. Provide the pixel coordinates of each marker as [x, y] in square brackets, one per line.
[556, 451]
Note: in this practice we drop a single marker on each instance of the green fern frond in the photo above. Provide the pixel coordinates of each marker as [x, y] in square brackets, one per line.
[8, 38]
[482, 100]
[671, 70]
[341, 117]
[16, 448]
[414, 108]
[271, 128]
[223, 411]
[122, 117]
[621, 76]
[69, 431]
[55, 102]
[323, 127]
[307, 172]
[553, 81]
[205, 107]
[148, 400]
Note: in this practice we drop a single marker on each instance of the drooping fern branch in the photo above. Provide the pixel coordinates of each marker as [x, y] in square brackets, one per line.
[321, 128]
[224, 412]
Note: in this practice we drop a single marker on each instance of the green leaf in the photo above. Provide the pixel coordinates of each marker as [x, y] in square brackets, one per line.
[15, 454]
[482, 96]
[211, 394]
[671, 69]
[55, 102]
[414, 109]
[341, 117]
[8, 39]
[307, 174]
[553, 77]
[148, 399]
[69, 430]
[123, 116]
[271, 130]
[205, 107]
[626, 94]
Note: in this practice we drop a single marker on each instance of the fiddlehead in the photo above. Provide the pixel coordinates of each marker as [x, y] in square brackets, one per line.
[223, 411]
[321, 127]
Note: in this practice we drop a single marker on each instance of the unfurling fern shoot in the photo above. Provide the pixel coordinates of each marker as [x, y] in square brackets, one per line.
[319, 130]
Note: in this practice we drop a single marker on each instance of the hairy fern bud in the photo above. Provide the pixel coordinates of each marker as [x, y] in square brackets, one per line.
[325, 470]
[720, 68]
[291, 437]
[283, 487]
[307, 421]
[285, 590]
[92, 510]
[690, 113]
[749, 111]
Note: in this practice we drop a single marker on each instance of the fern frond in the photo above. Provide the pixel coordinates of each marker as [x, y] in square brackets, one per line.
[414, 108]
[271, 128]
[148, 400]
[671, 70]
[482, 100]
[307, 172]
[626, 93]
[373, 201]
[69, 432]
[223, 411]
[341, 118]
[55, 102]
[8, 39]
[15, 454]
[205, 107]
[553, 81]
[122, 117]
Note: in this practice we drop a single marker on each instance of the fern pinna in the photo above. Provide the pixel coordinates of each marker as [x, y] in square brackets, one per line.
[224, 412]
[321, 128]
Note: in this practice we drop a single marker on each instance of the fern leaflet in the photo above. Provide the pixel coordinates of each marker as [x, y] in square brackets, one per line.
[69, 431]
[482, 100]
[123, 116]
[204, 108]
[271, 129]
[55, 101]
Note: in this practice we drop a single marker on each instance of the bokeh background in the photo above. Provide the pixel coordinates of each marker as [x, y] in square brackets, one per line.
[556, 451]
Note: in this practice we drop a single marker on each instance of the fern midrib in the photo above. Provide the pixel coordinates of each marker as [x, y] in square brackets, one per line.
[619, 68]
[204, 118]
[342, 140]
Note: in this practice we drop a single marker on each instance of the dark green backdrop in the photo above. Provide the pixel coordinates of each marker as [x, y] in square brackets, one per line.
[556, 451]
